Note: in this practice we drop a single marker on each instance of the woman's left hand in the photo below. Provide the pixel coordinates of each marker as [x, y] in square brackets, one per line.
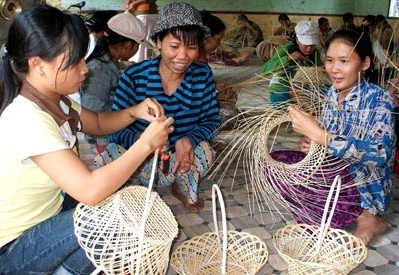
[184, 156]
[149, 110]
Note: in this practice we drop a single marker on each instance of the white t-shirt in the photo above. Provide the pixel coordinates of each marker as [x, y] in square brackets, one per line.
[27, 195]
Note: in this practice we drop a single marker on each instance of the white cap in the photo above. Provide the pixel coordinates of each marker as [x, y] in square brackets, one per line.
[307, 33]
[127, 25]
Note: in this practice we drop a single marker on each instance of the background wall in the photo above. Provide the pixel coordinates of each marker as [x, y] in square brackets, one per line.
[265, 12]
[333, 7]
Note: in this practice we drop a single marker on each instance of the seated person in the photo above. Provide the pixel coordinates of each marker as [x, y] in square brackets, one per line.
[211, 43]
[186, 90]
[287, 28]
[348, 19]
[244, 33]
[120, 41]
[245, 22]
[226, 96]
[285, 62]
[325, 29]
[383, 32]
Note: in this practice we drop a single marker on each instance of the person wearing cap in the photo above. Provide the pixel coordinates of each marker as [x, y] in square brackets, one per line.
[121, 40]
[97, 25]
[146, 11]
[285, 62]
[185, 88]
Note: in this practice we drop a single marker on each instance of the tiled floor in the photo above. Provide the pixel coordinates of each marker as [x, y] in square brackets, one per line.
[383, 252]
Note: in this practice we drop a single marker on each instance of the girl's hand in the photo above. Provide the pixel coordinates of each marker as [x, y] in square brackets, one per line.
[156, 134]
[184, 156]
[149, 110]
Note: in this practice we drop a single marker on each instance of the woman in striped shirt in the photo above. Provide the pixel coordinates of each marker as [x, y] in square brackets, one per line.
[186, 90]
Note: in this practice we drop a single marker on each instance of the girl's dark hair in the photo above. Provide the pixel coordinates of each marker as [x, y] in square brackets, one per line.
[42, 31]
[189, 34]
[102, 45]
[97, 22]
[214, 23]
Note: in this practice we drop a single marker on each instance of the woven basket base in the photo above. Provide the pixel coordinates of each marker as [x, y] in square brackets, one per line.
[201, 255]
[340, 251]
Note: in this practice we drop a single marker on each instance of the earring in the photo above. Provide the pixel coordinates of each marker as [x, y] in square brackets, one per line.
[42, 74]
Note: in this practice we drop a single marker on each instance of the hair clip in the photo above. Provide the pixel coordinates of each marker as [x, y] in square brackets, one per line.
[3, 52]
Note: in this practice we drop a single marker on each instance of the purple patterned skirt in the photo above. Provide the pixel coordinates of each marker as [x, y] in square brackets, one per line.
[307, 203]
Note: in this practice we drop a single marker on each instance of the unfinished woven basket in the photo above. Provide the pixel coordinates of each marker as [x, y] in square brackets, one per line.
[310, 249]
[266, 49]
[236, 254]
[314, 75]
[130, 232]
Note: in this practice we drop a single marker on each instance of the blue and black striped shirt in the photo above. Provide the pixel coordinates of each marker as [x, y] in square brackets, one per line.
[193, 105]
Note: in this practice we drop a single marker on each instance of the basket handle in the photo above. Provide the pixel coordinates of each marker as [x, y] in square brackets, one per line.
[324, 225]
[149, 201]
[216, 191]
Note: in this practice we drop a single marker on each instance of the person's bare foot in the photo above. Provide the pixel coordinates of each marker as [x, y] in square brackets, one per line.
[192, 207]
[369, 226]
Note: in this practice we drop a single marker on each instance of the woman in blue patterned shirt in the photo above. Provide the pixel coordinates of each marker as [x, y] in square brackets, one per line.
[358, 126]
[186, 90]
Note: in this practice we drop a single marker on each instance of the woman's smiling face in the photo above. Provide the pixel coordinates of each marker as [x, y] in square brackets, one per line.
[344, 65]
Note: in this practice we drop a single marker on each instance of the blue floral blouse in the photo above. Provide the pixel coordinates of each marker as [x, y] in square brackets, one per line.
[363, 134]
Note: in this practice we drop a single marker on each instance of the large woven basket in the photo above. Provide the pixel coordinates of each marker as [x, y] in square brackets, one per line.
[236, 254]
[310, 249]
[130, 232]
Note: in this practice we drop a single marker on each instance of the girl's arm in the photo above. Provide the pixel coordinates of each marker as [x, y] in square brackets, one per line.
[109, 122]
[90, 187]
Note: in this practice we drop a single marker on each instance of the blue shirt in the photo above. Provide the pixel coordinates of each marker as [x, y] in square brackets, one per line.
[363, 134]
[193, 105]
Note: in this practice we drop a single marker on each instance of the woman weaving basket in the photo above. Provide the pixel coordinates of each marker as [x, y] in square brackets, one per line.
[358, 127]
[285, 62]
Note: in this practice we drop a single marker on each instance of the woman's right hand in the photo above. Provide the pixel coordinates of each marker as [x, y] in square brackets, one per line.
[296, 56]
[156, 134]
[304, 144]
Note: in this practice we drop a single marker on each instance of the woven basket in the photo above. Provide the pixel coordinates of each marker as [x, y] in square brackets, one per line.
[266, 49]
[130, 232]
[313, 75]
[310, 249]
[236, 254]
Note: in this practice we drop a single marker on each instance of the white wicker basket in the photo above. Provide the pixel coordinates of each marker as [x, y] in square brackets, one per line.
[310, 249]
[130, 232]
[236, 254]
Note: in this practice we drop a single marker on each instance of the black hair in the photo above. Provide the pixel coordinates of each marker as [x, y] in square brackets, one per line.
[379, 18]
[347, 17]
[322, 20]
[42, 31]
[360, 42]
[102, 45]
[97, 22]
[370, 18]
[189, 34]
[283, 17]
[214, 23]
[243, 17]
